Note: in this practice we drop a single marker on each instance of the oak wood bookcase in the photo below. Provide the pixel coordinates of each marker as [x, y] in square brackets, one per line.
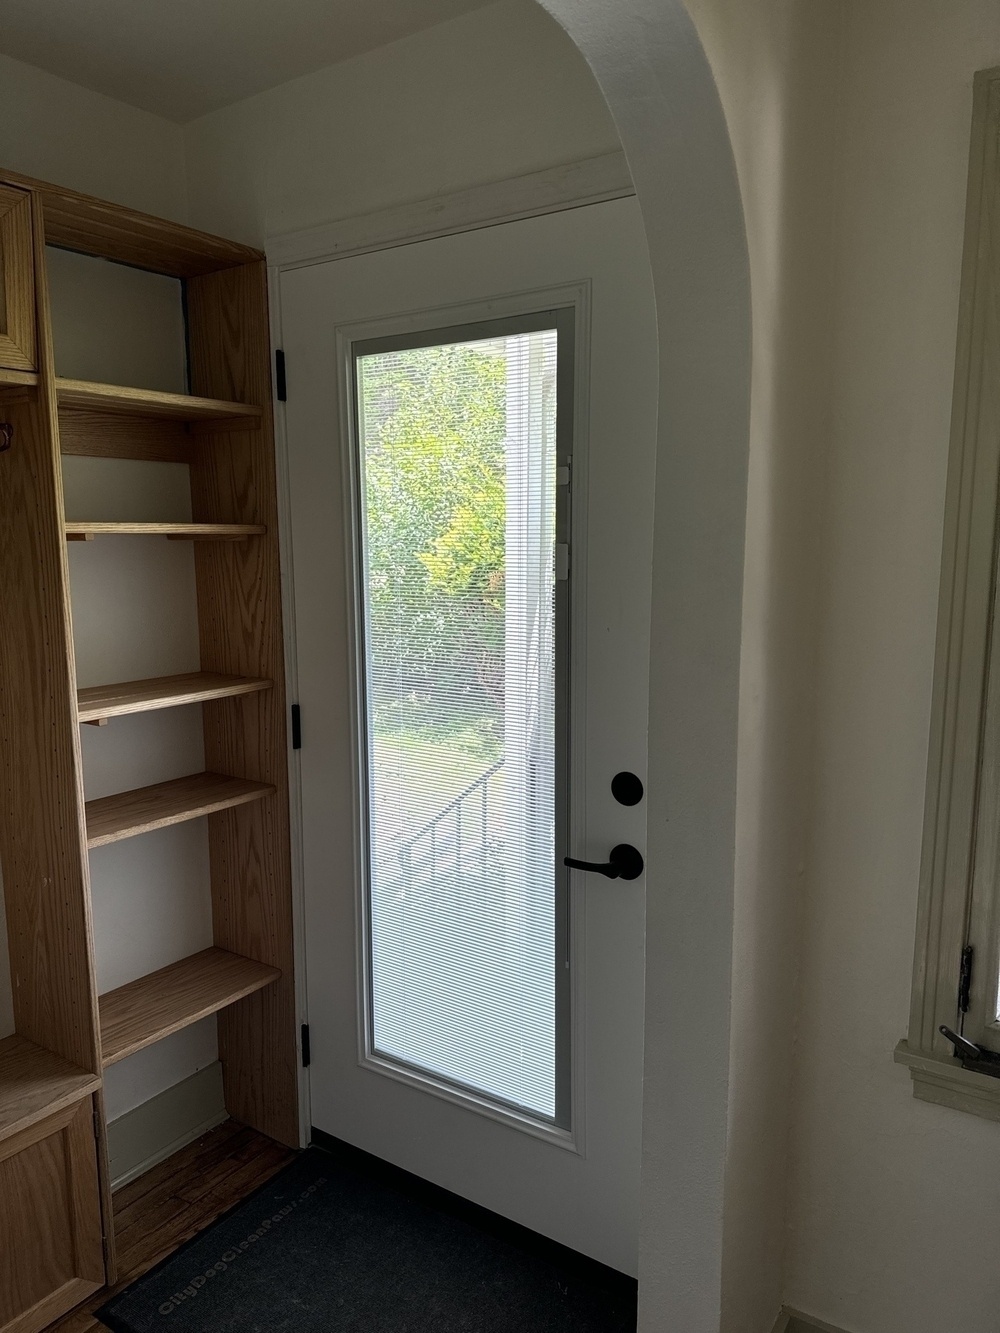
[56, 1240]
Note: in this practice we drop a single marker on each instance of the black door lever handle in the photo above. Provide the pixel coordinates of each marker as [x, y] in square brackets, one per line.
[625, 863]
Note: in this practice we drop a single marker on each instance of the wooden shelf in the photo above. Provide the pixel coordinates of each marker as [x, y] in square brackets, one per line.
[35, 1083]
[18, 379]
[150, 402]
[128, 813]
[205, 532]
[96, 703]
[149, 1009]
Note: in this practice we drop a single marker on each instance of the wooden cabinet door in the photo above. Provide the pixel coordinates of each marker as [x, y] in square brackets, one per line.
[17, 287]
[51, 1246]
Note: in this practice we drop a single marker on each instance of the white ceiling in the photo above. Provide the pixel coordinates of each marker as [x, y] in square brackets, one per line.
[181, 58]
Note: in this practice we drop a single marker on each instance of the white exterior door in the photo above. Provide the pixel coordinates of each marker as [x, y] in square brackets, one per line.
[471, 434]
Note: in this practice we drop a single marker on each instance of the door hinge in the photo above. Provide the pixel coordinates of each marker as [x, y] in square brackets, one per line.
[965, 980]
[296, 727]
[562, 560]
[306, 1052]
[280, 387]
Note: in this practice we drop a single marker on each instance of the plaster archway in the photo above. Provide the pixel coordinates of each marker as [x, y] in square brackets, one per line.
[653, 71]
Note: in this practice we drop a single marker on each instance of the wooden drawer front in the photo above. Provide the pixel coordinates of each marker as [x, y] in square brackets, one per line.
[17, 287]
[51, 1249]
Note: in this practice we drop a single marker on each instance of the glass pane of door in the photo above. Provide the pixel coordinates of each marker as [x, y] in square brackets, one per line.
[458, 450]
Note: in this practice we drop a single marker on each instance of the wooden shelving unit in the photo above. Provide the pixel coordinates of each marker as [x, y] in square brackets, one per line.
[58, 1229]
[147, 1010]
[98, 703]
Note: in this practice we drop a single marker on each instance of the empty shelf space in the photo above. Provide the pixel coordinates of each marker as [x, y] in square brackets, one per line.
[99, 702]
[128, 813]
[97, 433]
[149, 1009]
[209, 532]
[151, 403]
[35, 1083]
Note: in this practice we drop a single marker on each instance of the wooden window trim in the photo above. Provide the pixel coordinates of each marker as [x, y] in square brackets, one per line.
[959, 854]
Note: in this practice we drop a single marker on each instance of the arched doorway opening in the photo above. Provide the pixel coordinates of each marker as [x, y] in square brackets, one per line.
[655, 75]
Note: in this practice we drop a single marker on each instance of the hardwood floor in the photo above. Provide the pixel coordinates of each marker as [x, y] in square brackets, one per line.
[157, 1213]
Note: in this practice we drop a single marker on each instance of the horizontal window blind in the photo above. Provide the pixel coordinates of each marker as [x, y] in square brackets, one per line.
[457, 453]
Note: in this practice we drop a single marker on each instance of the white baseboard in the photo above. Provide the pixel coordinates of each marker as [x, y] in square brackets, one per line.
[143, 1137]
[797, 1322]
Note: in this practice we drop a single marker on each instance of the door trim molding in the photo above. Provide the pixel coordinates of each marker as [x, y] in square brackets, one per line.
[592, 180]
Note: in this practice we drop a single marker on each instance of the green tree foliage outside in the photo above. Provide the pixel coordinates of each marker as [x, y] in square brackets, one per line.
[434, 427]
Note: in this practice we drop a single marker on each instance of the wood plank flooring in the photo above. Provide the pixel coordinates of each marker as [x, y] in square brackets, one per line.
[157, 1213]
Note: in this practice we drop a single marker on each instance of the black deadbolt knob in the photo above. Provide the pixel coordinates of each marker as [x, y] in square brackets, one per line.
[626, 788]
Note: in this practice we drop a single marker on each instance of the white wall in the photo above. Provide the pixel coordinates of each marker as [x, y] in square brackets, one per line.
[56, 131]
[772, 60]
[492, 94]
[895, 1203]
[850, 124]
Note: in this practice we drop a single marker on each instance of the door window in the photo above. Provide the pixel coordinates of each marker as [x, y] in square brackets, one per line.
[462, 439]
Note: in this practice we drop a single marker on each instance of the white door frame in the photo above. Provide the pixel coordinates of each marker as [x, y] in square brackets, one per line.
[577, 299]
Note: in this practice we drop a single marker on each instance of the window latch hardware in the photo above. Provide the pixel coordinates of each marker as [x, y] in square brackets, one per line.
[973, 1057]
[964, 1049]
[965, 980]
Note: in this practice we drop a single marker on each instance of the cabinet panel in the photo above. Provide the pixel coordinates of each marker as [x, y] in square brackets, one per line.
[51, 1249]
[17, 288]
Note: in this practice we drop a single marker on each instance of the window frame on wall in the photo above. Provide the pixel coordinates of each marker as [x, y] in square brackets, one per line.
[957, 955]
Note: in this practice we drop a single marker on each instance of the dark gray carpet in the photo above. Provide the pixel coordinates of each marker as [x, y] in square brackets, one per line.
[330, 1245]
